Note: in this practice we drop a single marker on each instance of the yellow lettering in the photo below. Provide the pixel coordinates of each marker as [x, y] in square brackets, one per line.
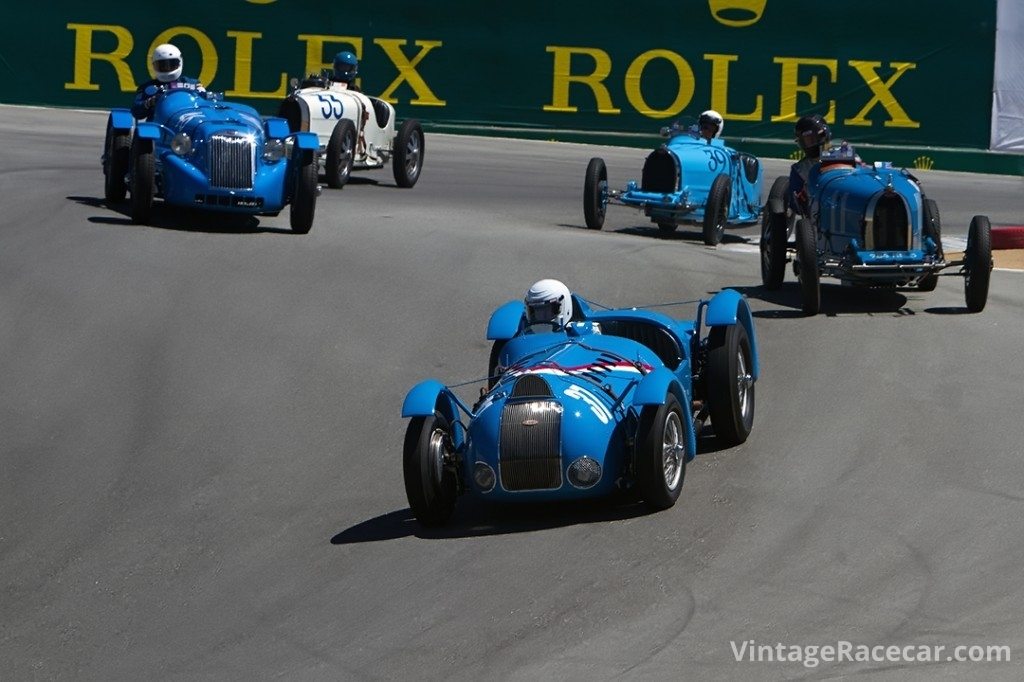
[315, 51]
[407, 70]
[563, 76]
[243, 69]
[790, 88]
[208, 71]
[634, 73]
[720, 89]
[85, 56]
[898, 117]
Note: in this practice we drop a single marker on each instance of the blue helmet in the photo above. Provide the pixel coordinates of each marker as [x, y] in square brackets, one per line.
[346, 67]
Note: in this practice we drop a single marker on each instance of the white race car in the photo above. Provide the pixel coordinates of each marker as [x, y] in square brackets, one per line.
[356, 132]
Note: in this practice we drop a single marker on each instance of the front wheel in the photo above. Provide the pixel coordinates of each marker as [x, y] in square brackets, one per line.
[730, 383]
[773, 248]
[978, 263]
[716, 211]
[931, 228]
[341, 150]
[661, 453]
[304, 199]
[117, 156]
[430, 484]
[595, 193]
[142, 181]
[410, 148]
[807, 257]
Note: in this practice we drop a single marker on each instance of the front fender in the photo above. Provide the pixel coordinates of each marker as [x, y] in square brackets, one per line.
[657, 384]
[120, 120]
[307, 141]
[276, 127]
[148, 131]
[506, 321]
[729, 307]
[431, 396]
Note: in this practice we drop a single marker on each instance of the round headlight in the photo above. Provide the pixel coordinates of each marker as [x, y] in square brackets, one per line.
[181, 144]
[273, 150]
[584, 472]
[484, 477]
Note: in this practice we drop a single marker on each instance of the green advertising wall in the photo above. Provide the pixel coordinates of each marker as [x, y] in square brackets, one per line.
[914, 78]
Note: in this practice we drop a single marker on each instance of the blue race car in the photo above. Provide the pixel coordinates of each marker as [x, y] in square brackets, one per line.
[612, 400]
[870, 226]
[689, 179]
[204, 153]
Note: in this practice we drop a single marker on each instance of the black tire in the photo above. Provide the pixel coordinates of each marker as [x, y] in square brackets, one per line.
[429, 485]
[978, 263]
[931, 226]
[773, 248]
[661, 436]
[716, 211]
[115, 166]
[341, 154]
[142, 181]
[807, 258]
[492, 362]
[667, 226]
[595, 193]
[304, 198]
[730, 388]
[410, 149]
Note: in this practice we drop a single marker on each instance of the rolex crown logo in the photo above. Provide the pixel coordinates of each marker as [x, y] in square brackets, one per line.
[737, 12]
[796, 155]
[924, 163]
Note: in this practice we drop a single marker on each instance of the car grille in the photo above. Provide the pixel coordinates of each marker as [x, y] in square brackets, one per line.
[530, 455]
[890, 228]
[660, 172]
[232, 159]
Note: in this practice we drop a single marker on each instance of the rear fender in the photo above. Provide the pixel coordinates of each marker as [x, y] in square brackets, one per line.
[506, 321]
[729, 307]
[120, 121]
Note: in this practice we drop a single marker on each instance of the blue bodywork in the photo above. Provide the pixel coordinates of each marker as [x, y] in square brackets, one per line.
[677, 178]
[868, 222]
[227, 164]
[598, 373]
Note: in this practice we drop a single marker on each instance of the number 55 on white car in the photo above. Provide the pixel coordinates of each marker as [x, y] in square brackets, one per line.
[356, 132]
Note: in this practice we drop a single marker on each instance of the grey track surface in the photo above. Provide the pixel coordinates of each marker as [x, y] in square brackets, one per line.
[200, 441]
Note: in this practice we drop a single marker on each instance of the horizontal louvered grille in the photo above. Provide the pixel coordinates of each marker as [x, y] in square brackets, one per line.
[530, 445]
[232, 161]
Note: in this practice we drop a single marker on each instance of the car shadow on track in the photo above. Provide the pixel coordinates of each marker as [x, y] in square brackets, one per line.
[181, 220]
[477, 518]
[835, 300]
[679, 234]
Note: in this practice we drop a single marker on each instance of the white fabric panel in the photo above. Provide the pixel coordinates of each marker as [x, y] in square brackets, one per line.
[1008, 95]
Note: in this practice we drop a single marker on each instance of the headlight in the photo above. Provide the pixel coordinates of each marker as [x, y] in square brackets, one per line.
[584, 473]
[273, 150]
[484, 477]
[181, 144]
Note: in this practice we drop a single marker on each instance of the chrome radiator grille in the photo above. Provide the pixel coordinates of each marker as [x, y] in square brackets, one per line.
[232, 161]
[530, 447]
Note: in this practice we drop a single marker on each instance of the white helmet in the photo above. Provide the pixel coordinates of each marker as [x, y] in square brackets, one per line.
[713, 117]
[548, 301]
[166, 63]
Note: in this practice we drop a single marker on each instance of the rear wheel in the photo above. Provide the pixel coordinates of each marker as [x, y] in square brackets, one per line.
[807, 257]
[931, 227]
[978, 263]
[143, 181]
[730, 384]
[115, 166]
[430, 484]
[716, 211]
[595, 194]
[410, 148]
[304, 199]
[341, 151]
[661, 453]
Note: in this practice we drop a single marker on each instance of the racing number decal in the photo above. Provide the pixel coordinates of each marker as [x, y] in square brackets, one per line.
[599, 410]
[331, 107]
[717, 158]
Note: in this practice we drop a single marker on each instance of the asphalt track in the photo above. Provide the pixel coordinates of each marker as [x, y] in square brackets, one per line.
[200, 441]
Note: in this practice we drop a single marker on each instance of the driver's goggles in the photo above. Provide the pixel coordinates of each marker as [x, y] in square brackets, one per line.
[166, 65]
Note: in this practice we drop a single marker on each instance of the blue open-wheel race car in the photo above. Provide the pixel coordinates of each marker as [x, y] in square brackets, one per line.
[690, 179]
[583, 404]
[868, 226]
[201, 152]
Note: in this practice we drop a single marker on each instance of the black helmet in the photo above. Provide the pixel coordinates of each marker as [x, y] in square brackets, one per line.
[812, 135]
